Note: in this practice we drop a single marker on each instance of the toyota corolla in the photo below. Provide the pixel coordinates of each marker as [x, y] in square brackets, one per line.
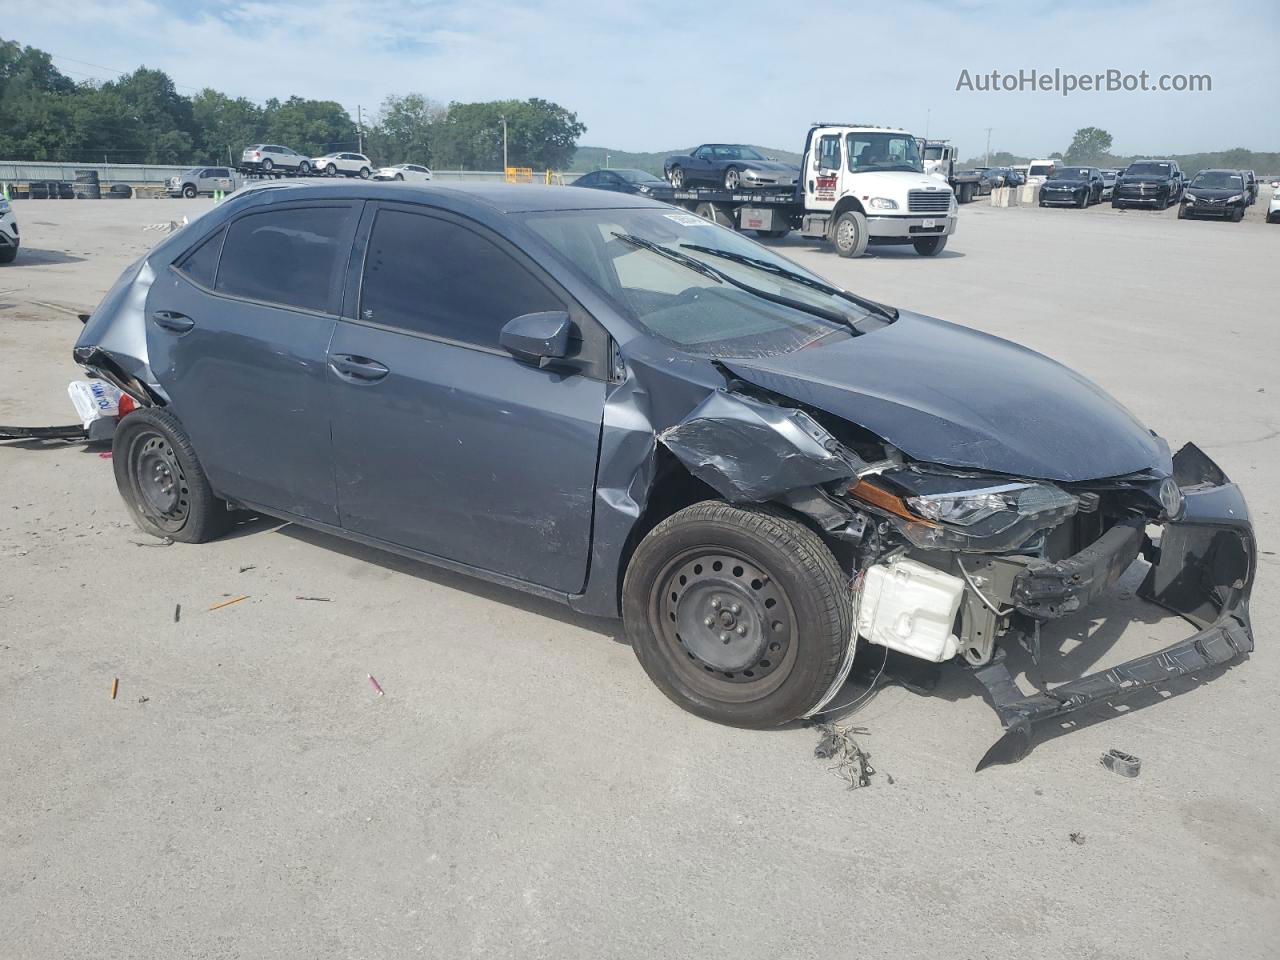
[600, 399]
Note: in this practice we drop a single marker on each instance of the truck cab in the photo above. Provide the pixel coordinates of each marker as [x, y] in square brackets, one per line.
[865, 184]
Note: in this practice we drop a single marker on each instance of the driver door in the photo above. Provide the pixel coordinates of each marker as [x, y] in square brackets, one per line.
[823, 175]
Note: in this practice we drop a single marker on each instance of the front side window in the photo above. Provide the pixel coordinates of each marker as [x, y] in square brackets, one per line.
[829, 152]
[436, 277]
[288, 257]
[883, 151]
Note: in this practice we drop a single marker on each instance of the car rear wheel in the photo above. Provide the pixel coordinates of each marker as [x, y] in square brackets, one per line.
[364, 173]
[676, 177]
[161, 480]
[189, 191]
[268, 165]
[850, 235]
[304, 169]
[732, 178]
[740, 615]
[930, 246]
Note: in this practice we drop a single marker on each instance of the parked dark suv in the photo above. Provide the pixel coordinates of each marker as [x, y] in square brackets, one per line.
[1073, 186]
[1148, 183]
[605, 401]
[1216, 193]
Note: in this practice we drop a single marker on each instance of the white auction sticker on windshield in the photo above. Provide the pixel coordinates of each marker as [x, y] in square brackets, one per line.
[686, 219]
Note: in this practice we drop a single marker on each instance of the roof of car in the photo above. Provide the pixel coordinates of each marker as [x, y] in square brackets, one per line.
[504, 197]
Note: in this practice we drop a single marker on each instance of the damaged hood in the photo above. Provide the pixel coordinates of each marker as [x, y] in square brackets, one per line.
[950, 395]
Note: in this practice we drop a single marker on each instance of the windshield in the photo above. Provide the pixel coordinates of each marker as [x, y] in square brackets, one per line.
[1147, 169]
[696, 312]
[1225, 181]
[1072, 173]
[883, 151]
[933, 153]
[638, 176]
[736, 152]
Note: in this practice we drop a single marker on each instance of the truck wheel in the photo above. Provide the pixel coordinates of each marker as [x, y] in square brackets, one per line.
[930, 246]
[709, 211]
[188, 190]
[162, 482]
[676, 176]
[849, 234]
[732, 179]
[740, 615]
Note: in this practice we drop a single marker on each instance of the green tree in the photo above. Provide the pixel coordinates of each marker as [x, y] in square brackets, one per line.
[225, 125]
[540, 134]
[309, 126]
[1089, 145]
[404, 129]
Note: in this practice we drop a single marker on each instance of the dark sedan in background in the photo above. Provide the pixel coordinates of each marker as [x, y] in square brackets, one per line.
[1216, 193]
[733, 166]
[1073, 186]
[639, 182]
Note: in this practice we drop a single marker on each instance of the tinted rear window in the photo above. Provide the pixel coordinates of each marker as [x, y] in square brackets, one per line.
[289, 257]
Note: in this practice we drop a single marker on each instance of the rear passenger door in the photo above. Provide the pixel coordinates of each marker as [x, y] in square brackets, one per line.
[444, 442]
[237, 331]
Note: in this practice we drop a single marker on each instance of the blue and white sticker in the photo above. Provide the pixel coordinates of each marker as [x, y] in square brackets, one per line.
[686, 219]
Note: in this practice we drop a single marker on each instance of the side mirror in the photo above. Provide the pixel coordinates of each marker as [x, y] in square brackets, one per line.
[537, 337]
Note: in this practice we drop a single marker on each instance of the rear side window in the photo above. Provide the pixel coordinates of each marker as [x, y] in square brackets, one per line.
[289, 257]
[439, 278]
[201, 264]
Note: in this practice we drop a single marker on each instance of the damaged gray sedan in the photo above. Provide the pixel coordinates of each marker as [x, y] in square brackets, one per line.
[606, 401]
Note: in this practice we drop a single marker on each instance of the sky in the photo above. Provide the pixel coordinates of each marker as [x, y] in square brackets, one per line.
[657, 75]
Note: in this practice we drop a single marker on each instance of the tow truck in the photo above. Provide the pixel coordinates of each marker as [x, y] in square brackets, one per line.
[940, 161]
[859, 184]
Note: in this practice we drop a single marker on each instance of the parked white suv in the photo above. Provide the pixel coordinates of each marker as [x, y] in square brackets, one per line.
[8, 232]
[404, 171]
[351, 164]
[270, 157]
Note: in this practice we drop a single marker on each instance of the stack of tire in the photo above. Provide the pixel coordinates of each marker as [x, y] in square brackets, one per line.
[40, 190]
[86, 185]
[119, 191]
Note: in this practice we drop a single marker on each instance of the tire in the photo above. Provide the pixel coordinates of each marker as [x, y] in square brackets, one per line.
[8, 254]
[1117, 205]
[121, 190]
[188, 190]
[787, 639]
[1237, 214]
[268, 165]
[86, 176]
[850, 234]
[709, 211]
[733, 179]
[1182, 211]
[39, 191]
[160, 478]
[304, 169]
[399, 176]
[930, 246]
[364, 173]
[331, 170]
[1083, 202]
[675, 176]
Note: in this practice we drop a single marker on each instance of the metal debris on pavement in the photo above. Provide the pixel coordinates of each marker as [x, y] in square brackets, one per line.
[1125, 764]
[1076, 838]
[852, 763]
[320, 599]
[227, 603]
[246, 569]
[177, 612]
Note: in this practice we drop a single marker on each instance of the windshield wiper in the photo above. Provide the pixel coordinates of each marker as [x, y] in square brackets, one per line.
[674, 255]
[833, 316]
[872, 306]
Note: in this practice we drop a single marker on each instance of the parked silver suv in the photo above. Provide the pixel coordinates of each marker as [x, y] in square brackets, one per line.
[269, 157]
[203, 180]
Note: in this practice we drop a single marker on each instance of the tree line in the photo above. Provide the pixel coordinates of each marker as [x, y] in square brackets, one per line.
[1091, 146]
[141, 117]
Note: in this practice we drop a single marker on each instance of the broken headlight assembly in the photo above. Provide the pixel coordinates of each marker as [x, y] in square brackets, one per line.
[949, 512]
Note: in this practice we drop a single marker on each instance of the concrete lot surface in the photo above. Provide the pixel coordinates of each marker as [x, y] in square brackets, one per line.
[522, 790]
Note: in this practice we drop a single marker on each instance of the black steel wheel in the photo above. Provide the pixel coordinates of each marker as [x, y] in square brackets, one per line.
[739, 614]
[162, 482]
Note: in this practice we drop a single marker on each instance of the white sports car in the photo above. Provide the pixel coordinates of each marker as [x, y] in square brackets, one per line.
[350, 164]
[404, 171]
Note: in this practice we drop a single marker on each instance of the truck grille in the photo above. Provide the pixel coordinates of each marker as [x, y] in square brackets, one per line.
[929, 201]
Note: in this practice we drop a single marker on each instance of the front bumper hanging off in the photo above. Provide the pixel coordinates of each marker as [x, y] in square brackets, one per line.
[1202, 570]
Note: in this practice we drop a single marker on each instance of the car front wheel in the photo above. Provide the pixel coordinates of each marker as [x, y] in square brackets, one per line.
[676, 176]
[161, 480]
[740, 615]
[188, 191]
[331, 170]
[732, 179]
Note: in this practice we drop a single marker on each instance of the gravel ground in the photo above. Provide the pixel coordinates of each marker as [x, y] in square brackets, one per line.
[522, 790]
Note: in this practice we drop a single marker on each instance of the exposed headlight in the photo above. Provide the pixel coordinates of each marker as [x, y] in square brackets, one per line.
[1190, 196]
[947, 512]
[883, 203]
[1171, 499]
[1238, 196]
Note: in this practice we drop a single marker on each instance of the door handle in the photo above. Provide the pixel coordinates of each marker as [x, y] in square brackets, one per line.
[174, 322]
[357, 369]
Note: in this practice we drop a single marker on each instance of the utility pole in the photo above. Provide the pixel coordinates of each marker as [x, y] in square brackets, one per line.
[360, 127]
[504, 143]
[928, 115]
[989, 146]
